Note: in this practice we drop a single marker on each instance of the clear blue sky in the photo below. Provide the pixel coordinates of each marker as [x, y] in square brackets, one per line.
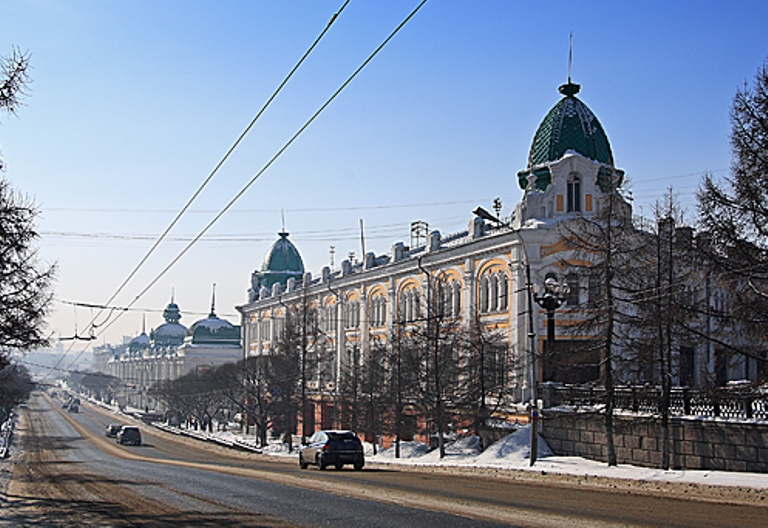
[134, 102]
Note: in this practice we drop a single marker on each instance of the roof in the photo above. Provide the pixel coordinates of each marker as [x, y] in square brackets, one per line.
[570, 125]
[213, 331]
[281, 262]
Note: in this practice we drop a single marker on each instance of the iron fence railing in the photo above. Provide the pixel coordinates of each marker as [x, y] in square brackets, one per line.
[723, 402]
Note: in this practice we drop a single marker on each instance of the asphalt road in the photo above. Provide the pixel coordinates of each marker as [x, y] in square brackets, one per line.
[71, 475]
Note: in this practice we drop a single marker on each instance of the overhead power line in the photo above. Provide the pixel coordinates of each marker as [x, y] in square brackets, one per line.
[274, 158]
[279, 152]
[219, 164]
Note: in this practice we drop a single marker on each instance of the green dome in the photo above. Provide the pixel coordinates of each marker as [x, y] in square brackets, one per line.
[570, 125]
[281, 262]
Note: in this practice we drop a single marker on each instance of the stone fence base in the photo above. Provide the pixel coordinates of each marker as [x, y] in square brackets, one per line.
[694, 443]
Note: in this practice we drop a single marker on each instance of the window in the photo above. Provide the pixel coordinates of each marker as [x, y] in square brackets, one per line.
[574, 292]
[330, 318]
[594, 288]
[378, 315]
[494, 292]
[574, 193]
[352, 314]
[448, 298]
[409, 305]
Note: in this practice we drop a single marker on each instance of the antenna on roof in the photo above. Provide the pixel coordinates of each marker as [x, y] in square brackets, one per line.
[570, 58]
[362, 239]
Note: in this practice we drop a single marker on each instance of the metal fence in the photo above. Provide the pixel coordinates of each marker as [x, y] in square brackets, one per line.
[725, 402]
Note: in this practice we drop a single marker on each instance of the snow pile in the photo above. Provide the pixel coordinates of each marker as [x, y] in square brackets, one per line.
[514, 449]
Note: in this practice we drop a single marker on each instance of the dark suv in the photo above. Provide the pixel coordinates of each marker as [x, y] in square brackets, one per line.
[129, 434]
[332, 448]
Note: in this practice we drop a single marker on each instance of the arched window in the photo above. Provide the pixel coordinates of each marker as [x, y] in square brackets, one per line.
[409, 304]
[378, 311]
[448, 298]
[574, 193]
[352, 314]
[484, 293]
[330, 318]
[494, 296]
[456, 301]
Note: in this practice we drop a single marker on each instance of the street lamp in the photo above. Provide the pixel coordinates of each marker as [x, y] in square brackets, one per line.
[554, 295]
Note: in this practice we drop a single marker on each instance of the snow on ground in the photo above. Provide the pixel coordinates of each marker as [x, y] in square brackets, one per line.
[513, 452]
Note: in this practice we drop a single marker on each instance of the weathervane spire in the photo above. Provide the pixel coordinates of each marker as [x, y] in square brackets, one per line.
[570, 57]
[570, 89]
[213, 301]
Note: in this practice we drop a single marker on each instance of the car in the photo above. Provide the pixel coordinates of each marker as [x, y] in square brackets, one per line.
[332, 448]
[129, 434]
[112, 430]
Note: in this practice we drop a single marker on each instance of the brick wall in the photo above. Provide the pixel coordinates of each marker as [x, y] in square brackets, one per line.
[694, 444]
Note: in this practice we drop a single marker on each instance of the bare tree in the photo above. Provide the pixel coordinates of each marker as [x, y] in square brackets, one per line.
[605, 246]
[485, 372]
[734, 218]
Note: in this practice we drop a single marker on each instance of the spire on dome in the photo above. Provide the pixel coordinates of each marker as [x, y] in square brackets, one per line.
[213, 302]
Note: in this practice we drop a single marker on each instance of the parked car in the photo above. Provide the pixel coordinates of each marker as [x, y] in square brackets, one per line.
[112, 430]
[332, 448]
[129, 434]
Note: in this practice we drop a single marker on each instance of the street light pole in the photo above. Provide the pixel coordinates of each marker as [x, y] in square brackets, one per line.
[554, 296]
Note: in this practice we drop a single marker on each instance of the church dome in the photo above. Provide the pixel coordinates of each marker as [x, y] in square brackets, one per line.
[281, 262]
[171, 333]
[213, 331]
[139, 343]
[570, 125]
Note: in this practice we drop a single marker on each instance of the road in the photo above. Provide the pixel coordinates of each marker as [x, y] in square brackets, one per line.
[71, 475]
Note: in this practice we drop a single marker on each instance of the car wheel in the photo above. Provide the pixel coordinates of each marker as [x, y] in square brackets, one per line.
[321, 464]
[358, 466]
[338, 466]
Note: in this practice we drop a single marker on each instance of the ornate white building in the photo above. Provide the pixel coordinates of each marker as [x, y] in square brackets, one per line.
[172, 350]
[479, 274]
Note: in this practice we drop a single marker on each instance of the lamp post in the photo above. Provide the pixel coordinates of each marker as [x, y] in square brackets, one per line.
[554, 295]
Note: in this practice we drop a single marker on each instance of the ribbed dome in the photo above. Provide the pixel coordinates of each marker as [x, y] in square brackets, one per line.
[570, 125]
[139, 343]
[281, 262]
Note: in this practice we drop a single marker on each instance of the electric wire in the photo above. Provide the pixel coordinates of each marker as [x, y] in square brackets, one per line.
[221, 162]
[227, 154]
[270, 162]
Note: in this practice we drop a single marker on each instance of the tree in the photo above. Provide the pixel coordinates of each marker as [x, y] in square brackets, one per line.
[244, 385]
[25, 283]
[485, 373]
[195, 395]
[604, 247]
[15, 386]
[734, 216]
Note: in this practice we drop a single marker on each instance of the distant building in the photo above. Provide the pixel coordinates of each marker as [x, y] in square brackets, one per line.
[172, 350]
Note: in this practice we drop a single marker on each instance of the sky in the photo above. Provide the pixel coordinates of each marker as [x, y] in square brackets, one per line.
[133, 104]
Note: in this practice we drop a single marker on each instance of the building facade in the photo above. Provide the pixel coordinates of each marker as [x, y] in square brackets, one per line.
[482, 276]
[170, 351]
